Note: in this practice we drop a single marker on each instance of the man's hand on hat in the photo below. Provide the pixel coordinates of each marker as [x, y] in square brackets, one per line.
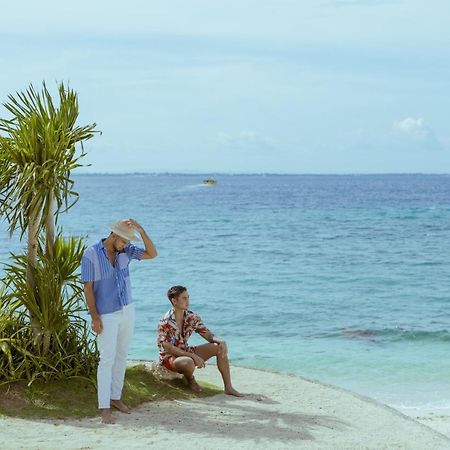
[133, 224]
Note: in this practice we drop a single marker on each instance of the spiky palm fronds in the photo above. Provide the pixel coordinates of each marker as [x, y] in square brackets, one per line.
[71, 353]
[66, 348]
[37, 155]
[41, 332]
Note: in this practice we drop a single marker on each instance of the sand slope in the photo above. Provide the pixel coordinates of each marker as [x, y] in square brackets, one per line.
[282, 412]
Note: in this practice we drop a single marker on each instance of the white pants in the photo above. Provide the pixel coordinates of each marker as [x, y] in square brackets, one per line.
[113, 343]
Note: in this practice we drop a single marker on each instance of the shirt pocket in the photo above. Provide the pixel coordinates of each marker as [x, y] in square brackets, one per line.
[123, 261]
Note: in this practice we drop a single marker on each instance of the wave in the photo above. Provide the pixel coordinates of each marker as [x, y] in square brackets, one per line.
[398, 334]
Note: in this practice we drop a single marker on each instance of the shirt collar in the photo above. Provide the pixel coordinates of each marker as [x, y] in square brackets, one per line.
[171, 316]
[102, 246]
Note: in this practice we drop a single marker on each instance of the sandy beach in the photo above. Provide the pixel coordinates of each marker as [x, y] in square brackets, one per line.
[438, 419]
[280, 412]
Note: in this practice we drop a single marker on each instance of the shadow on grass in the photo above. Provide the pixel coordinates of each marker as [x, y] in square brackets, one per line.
[77, 398]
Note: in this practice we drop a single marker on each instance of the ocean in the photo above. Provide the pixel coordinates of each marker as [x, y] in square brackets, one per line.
[344, 279]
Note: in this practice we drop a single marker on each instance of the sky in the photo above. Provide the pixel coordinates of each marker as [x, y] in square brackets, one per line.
[273, 86]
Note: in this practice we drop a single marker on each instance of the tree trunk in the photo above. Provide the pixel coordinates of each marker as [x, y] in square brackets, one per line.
[33, 229]
[50, 227]
[49, 250]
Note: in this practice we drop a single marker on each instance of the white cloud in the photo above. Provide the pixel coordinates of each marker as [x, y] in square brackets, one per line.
[414, 130]
[412, 127]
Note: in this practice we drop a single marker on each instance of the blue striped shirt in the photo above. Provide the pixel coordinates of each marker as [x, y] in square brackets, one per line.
[112, 287]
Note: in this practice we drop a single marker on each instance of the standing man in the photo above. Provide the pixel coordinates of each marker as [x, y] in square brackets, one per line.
[107, 289]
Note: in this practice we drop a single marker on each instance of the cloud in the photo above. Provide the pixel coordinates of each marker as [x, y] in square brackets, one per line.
[414, 130]
[412, 127]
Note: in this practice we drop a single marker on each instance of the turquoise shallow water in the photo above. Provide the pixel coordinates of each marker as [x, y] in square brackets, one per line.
[339, 278]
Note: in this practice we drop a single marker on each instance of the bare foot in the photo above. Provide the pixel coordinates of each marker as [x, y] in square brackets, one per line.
[120, 405]
[232, 391]
[106, 416]
[193, 384]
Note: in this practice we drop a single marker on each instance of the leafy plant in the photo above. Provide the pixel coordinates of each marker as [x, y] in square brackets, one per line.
[39, 154]
[66, 348]
[42, 334]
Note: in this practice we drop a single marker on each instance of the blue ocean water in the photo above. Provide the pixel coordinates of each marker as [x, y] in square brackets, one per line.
[339, 278]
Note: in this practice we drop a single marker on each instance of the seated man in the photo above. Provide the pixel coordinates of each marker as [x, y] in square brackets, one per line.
[174, 330]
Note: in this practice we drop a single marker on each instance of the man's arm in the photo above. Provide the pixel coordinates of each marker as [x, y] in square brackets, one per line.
[150, 249]
[97, 325]
[209, 336]
[204, 331]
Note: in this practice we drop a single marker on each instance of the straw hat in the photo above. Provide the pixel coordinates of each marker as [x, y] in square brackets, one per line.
[123, 230]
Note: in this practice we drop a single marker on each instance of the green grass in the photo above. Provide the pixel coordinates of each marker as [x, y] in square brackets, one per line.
[76, 398]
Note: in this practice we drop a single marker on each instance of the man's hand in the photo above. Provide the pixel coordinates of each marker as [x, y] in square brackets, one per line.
[133, 224]
[97, 325]
[199, 362]
[150, 250]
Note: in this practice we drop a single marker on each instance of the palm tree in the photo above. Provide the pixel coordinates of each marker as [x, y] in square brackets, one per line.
[37, 155]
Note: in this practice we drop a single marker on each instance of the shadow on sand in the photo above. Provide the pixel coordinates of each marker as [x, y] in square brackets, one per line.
[225, 416]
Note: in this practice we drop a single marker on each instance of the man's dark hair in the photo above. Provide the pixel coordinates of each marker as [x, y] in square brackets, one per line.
[175, 291]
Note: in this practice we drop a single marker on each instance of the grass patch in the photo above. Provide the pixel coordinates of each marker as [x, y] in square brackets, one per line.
[77, 398]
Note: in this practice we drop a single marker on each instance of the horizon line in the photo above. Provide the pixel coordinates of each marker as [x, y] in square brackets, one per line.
[261, 173]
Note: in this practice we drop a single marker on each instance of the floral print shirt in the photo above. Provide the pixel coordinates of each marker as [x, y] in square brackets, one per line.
[168, 331]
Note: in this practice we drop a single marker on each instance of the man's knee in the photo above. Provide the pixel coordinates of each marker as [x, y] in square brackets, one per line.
[222, 353]
[121, 353]
[213, 349]
[106, 360]
[184, 363]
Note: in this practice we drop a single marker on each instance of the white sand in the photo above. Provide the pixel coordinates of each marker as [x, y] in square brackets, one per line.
[438, 419]
[282, 412]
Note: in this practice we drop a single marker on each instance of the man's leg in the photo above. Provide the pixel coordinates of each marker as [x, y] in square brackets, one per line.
[124, 336]
[207, 351]
[106, 341]
[185, 365]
